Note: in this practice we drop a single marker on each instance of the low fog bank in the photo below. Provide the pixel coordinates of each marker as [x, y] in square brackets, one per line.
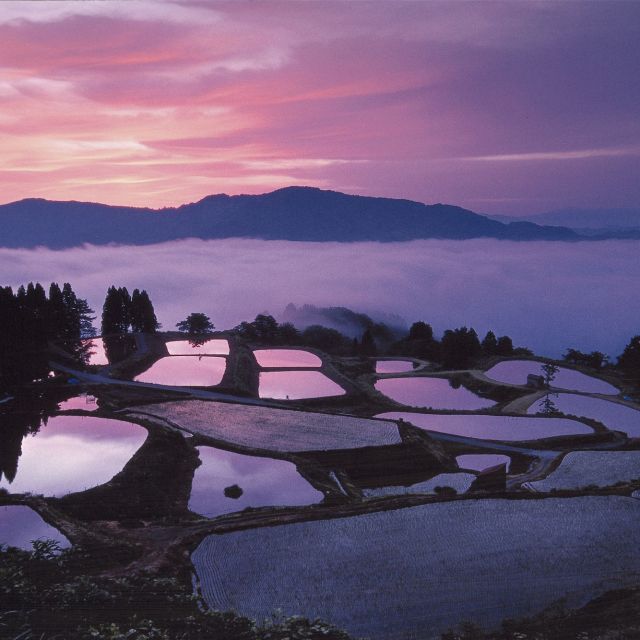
[547, 296]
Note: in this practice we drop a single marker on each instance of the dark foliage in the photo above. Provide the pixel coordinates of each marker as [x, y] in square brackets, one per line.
[595, 360]
[29, 320]
[459, 347]
[266, 330]
[629, 361]
[123, 312]
[196, 324]
[368, 345]
[419, 343]
[45, 595]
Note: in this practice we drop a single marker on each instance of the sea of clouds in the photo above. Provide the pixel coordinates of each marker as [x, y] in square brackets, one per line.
[546, 295]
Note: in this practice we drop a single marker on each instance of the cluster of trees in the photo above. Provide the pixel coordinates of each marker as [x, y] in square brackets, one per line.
[196, 324]
[122, 312]
[458, 347]
[629, 361]
[265, 329]
[596, 359]
[29, 319]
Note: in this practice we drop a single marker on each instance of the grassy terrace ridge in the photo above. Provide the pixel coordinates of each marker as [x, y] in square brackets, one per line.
[138, 527]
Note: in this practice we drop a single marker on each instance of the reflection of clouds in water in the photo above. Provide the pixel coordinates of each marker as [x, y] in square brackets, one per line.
[264, 482]
[547, 296]
[19, 525]
[297, 384]
[73, 453]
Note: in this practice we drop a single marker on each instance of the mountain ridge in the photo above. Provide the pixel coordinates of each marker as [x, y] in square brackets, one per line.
[291, 213]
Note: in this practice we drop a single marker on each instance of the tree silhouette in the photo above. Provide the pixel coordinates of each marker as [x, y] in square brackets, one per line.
[549, 372]
[122, 312]
[196, 324]
[29, 321]
[367, 344]
[504, 347]
[490, 344]
[142, 314]
[629, 361]
[459, 347]
[420, 331]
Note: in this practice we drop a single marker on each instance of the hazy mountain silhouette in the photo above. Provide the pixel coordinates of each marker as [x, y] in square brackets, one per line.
[293, 213]
[610, 223]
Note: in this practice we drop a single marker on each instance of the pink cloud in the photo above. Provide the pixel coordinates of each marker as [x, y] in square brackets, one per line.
[126, 104]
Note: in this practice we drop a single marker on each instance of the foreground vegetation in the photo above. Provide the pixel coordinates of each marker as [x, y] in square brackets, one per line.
[46, 594]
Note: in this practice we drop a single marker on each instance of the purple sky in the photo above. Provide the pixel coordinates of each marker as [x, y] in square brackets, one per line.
[502, 107]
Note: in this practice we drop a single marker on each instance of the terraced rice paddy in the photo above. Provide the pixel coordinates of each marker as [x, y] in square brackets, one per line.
[395, 574]
[482, 461]
[485, 427]
[98, 355]
[19, 525]
[434, 393]
[298, 358]
[458, 481]
[214, 347]
[393, 366]
[296, 385]
[264, 482]
[614, 416]
[601, 468]
[82, 402]
[73, 453]
[271, 429]
[516, 372]
[185, 371]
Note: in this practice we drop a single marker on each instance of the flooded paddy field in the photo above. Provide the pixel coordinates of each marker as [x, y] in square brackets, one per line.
[296, 358]
[296, 385]
[433, 393]
[394, 366]
[261, 481]
[185, 371]
[613, 415]
[213, 347]
[470, 560]
[516, 372]
[482, 461]
[72, 453]
[460, 482]
[356, 520]
[20, 525]
[98, 354]
[273, 429]
[490, 427]
[83, 402]
[592, 468]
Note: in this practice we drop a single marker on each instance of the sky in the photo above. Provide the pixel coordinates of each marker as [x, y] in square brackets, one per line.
[502, 107]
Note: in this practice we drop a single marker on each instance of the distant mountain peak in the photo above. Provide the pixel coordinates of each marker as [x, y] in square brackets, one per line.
[298, 213]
